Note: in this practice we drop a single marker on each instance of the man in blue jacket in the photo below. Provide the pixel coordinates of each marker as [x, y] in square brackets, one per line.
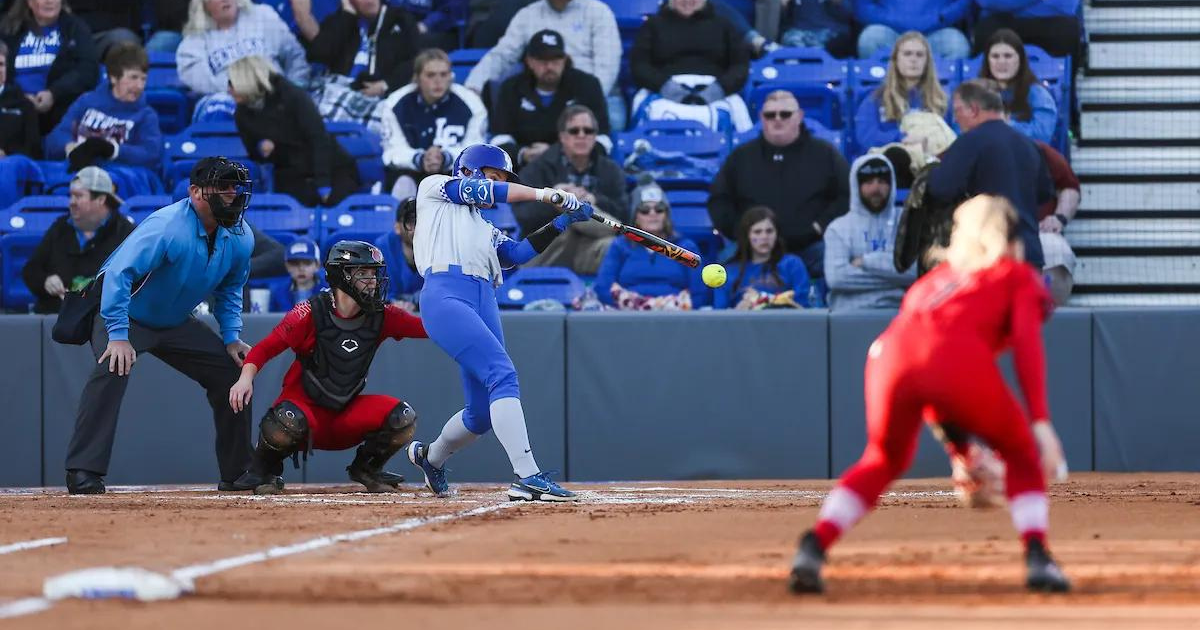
[175, 259]
[993, 158]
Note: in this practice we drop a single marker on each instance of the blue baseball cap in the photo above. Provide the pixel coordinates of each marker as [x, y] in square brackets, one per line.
[303, 249]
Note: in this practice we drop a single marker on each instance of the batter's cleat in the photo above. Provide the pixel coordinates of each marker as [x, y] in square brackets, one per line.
[539, 487]
[806, 566]
[84, 482]
[251, 480]
[1041, 571]
[435, 478]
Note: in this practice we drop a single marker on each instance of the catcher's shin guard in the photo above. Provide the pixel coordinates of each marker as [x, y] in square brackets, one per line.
[379, 446]
[282, 433]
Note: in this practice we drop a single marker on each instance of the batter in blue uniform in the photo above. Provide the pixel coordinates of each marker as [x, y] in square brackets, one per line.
[461, 255]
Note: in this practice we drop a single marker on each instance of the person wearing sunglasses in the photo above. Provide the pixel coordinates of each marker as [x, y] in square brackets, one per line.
[637, 279]
[817, 187]
[577, 164]
[529, 105]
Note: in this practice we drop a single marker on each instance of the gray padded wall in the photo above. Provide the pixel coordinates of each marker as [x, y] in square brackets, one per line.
[850, 334]
[417, 371]
[21, 395]
[165, 433]
[701, 396]
[1147, 400]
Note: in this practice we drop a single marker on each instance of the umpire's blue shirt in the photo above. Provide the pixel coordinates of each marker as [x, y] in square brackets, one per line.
[170, 250]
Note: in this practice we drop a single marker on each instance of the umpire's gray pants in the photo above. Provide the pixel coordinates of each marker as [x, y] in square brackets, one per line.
[193, 349]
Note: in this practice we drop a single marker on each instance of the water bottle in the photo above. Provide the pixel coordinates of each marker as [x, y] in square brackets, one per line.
[590, 302]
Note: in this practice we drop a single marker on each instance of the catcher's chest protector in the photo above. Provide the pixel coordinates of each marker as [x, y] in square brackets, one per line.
[336, 371]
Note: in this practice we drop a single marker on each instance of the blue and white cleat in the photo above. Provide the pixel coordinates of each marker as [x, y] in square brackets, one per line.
[435, 478]
[539, 487]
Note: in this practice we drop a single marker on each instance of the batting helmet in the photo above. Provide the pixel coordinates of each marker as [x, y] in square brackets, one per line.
[475, 157]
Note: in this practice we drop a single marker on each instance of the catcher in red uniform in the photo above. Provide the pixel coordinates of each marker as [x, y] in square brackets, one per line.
[335, 335]
[937, 359]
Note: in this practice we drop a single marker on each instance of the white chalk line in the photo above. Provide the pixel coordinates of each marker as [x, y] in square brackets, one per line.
[27, 606]
[31, 544]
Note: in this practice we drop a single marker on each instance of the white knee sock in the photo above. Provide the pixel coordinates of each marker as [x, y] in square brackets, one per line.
[455, 436]
[508, 421]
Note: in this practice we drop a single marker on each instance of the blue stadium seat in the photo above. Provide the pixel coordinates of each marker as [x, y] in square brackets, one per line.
[182, 151]
[689, 215]
[360, 218]
[167, 94]
[530, 284]
[502, 218]
[463, 60]
[816, 79]
[33, 215]
[281, 216]
[139, 207]
[630, 14]
[15, 249]
[684, 152]
[364, 146]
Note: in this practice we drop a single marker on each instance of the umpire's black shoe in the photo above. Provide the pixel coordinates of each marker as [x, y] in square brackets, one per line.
[84, 482]
[806, 566]
[251, 480]
[1042, 572]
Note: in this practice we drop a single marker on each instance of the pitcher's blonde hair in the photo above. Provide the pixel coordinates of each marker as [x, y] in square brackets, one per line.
[984, 228]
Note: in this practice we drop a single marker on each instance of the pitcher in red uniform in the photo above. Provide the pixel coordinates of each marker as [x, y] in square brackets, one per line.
[937, 359]
[335, 335]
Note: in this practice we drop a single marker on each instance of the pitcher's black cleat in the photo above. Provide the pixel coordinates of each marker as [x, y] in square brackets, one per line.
[806, 566]
[1042, 573]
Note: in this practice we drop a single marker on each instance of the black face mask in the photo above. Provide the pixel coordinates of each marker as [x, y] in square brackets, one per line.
[226, 175]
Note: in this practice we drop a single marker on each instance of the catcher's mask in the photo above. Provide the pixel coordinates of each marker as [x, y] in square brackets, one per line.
[357, 268]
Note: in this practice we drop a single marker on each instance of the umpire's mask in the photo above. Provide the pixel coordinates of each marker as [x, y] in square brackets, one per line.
[217, 178]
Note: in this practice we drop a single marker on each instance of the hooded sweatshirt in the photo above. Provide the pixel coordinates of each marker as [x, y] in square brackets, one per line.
[204, 58]
[132, 128]
[863, 234]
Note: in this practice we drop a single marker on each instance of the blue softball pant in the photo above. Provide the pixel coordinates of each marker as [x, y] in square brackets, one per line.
[461, 316]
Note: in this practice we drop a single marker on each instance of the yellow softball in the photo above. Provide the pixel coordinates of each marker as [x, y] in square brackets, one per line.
[713, 275]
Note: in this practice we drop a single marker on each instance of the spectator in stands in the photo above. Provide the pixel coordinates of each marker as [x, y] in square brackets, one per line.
[404, 281]
[530, 104]
[802, 178]
[439, 21]
[303, 259]
[220, 32]
[111, 23]
[690, 63]
[113, 126]
[169, 18]
[860, 245]
[428, 122]
[18, 118]
[578, 165]
[1054, 216]
[370, 43]
[826, 24]
[1031, 108]
[591, 37]
[279, 124]
[1052, 25]
[910, 85]
[489, 19]
[756, 43]
[991, 157]
[634, 278]
[884, 20]
[51, 55]
[75, 246]
[266, 260]
[761, 273]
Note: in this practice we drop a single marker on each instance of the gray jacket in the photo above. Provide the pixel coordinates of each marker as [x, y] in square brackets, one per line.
[872, 237]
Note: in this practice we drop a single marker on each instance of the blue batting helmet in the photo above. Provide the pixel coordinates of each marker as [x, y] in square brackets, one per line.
[477, 156]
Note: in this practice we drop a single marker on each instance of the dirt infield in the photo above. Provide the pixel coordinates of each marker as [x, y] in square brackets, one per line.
[665, 555]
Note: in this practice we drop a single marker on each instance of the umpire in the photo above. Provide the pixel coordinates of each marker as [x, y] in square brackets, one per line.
[175, 259]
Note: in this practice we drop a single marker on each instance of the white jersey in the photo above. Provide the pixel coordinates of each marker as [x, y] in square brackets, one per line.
[454, 234]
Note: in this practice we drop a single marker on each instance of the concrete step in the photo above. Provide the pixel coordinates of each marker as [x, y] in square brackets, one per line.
[1137, 270]
[1143, 161]
[1141, 125]
[1122, 197]
[1133, 233]
[1142, 20]
[1144, 55]
[1105, 300]
[1137, 89]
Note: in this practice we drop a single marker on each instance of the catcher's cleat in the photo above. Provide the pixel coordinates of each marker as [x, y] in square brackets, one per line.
[251, 480]
[371, 479]
[806, 566]
[1042, 572]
